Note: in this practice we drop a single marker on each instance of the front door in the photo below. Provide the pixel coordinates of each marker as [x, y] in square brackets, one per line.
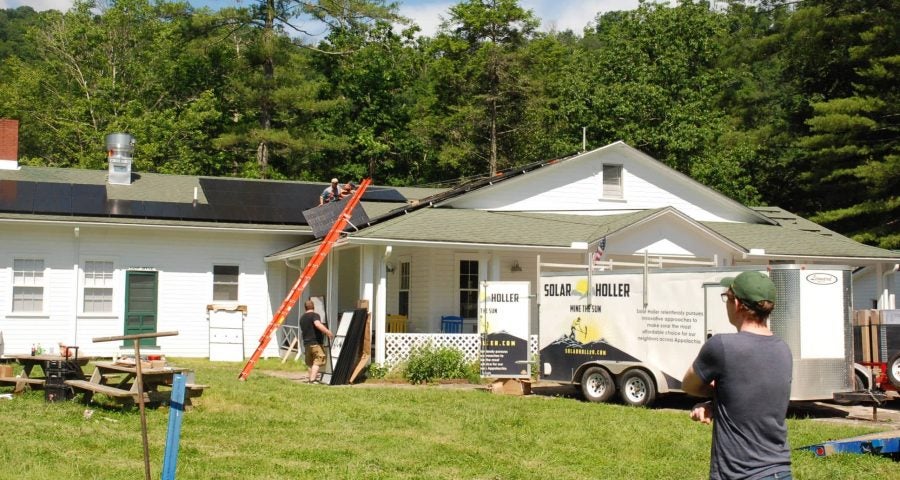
[140, 305]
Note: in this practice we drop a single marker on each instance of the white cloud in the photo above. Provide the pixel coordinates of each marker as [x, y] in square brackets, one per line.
[554, 14]
[573, 14]
[427, 15]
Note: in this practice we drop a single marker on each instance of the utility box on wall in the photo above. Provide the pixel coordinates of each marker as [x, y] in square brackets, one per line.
[226, 332]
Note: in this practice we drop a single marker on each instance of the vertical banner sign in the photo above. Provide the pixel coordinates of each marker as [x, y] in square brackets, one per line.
[503, 322]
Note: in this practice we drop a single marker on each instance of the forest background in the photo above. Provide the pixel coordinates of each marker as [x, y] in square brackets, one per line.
[771, 102]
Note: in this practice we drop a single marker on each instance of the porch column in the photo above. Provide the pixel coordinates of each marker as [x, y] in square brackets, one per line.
[366, 274]
[380, 303]
[331, 298]
[494, 270]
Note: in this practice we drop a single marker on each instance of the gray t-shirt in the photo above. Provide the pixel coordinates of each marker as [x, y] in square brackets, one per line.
[752, 390]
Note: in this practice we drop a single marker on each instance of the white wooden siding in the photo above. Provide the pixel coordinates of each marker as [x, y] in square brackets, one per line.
[576, 185]
[183, 260]
[865, 288]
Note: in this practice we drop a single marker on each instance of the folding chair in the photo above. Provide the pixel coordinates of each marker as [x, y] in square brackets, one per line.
[451, 324]
[396, 323]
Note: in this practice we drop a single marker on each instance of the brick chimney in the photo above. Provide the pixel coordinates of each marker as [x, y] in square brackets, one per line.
[9, 144]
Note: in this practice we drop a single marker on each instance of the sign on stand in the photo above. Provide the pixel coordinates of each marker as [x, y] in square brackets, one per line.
[503, 322]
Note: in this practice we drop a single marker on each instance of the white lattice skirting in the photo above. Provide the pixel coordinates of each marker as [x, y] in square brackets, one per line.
[398, 345]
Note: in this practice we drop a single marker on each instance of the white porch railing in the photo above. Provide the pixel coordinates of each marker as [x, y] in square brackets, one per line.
[398, 345]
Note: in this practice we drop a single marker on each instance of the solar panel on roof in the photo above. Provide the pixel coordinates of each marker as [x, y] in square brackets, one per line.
[53, 198]
[16, 196]
[124, 208]
[260, 202]
[89, 199]
[382, 194]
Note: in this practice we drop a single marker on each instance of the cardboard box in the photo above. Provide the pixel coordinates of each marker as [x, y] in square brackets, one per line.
[511, 386]
[6, 371]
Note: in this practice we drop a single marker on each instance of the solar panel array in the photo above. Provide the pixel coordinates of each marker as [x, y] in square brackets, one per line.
[233, 201]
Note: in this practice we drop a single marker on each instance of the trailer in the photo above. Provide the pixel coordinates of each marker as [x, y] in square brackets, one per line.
[635, 332]
[876, 342]
[881, 443]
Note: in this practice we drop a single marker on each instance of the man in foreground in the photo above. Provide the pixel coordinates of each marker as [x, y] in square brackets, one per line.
[313, 331]
[748, 376]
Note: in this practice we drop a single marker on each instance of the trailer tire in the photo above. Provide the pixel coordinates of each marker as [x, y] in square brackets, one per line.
[893, 370]
[637, 389]
[597, 385]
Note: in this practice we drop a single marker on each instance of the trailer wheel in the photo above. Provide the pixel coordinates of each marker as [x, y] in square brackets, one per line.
[597, 384]
[893, 370]
[637, 389]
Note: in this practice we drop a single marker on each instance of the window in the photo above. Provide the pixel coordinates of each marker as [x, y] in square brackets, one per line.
[225, 283]
[468, 288]
[403, 300]
[28, 285]
[98, 287]
[612, 181]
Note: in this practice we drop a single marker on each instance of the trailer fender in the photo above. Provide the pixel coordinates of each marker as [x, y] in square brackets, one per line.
[862, 377]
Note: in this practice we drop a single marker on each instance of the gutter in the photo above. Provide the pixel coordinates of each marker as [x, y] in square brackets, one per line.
[76, 223]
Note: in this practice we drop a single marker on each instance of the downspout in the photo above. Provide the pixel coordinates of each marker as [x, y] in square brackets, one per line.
[76, 254]
[886, 303]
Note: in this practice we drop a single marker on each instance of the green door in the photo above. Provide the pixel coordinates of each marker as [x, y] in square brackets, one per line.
[140, 305]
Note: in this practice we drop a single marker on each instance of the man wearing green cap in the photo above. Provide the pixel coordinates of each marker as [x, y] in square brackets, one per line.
[748, 376]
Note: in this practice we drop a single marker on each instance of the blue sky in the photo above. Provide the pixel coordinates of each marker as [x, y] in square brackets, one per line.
[554, 14]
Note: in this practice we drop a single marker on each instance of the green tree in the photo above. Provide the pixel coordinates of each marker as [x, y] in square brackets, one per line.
[376, 78]
[278, 103]
[116, 70]
[852, 150]
[478, 93]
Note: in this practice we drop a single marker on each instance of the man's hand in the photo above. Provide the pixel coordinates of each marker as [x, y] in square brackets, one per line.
[702, 412]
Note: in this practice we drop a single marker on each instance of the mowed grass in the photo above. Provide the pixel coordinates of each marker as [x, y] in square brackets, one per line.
[273, 428]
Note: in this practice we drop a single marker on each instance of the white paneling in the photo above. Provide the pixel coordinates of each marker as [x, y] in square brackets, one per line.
[667, 235]
[184, 260]
[865, 288]
[575, 186]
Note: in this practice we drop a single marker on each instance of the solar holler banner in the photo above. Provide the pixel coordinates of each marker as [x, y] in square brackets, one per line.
[503, 322]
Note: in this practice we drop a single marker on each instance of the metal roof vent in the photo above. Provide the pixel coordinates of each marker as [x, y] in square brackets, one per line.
[120, 147]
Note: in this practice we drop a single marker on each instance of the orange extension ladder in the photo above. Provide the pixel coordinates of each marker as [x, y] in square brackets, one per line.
[324, 248]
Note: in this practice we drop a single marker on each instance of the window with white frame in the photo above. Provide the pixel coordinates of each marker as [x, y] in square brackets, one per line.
[98, 287]
[612, 181]
[468, 288]
[403, 291]
[225, 283]
[28, 285]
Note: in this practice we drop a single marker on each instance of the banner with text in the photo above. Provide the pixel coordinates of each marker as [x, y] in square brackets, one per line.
[503, 322]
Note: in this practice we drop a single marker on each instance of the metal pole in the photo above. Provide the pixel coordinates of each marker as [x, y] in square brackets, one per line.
[140, 387]
[139, 378]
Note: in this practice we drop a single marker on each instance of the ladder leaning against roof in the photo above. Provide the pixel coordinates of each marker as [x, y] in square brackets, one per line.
[305, 276]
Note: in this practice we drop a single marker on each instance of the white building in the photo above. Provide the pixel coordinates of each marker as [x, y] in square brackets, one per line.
[152, 255]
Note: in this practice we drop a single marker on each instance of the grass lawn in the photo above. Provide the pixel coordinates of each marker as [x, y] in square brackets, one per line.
[273, 428]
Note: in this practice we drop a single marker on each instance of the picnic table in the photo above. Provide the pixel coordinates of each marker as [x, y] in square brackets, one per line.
[117, 380]
[30, 378]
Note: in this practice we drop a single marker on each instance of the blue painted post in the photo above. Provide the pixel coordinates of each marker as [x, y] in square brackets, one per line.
[173, 434]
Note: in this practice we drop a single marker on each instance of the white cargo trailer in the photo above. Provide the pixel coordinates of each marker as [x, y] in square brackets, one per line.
[637, 331]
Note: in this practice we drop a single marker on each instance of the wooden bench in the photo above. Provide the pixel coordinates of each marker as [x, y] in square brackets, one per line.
[98, 388]
[194, 390]
[20, 383]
